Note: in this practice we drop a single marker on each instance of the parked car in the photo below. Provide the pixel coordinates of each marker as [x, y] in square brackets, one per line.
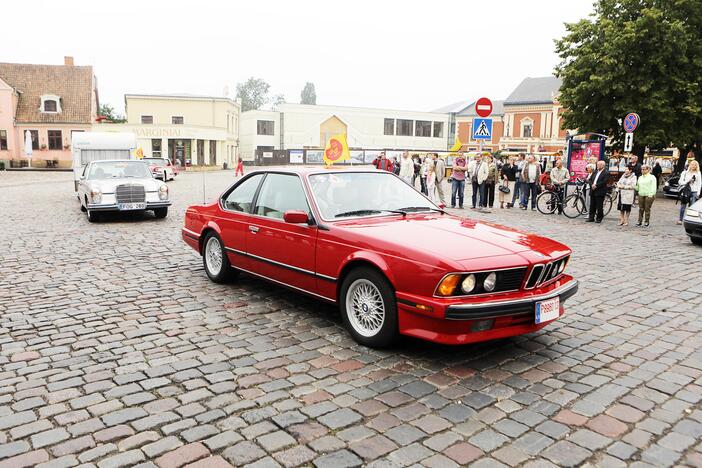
[121, 186]
[162, 168]
[671, 187]
[393, 261]
[692, 222]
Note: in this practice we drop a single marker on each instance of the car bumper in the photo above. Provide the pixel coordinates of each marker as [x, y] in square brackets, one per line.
[449, 321]
[115, 207]
[670, 193]
[693, 228]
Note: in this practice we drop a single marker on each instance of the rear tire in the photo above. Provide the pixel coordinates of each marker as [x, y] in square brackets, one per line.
[368, 308]
[696, 240]
[215, 260]
[573, 206]
[161, 213]
[607, 206]
[547, 202]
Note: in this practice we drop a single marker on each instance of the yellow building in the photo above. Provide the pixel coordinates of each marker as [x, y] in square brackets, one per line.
[187, 129]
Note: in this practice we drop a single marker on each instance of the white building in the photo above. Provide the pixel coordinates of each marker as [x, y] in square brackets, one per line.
[309, 127]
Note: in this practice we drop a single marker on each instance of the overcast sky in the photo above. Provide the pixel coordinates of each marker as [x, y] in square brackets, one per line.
[416, 55]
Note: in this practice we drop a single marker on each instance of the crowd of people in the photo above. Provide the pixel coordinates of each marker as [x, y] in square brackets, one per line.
[519, 180]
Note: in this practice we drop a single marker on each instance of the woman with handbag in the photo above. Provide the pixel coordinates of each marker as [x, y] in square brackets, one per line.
[508, 178]
[626, 186]
[692, 178]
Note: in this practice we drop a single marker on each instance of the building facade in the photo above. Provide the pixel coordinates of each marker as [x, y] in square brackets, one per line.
[52, 102]
[308, 127]
[187, 129]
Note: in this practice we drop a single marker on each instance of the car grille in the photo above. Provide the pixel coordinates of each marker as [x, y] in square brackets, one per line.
[130, 193]
[542, 274]
[510, 280]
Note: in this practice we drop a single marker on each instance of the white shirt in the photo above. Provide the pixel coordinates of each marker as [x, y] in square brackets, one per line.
[406, 167]
[594, 180]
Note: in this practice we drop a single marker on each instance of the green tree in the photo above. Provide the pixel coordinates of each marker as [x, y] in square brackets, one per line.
[642, 56]
[254, 94]
[308, 94]
[109, 112]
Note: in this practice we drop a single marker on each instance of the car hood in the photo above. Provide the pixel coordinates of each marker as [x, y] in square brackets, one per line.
[453, 238]
[108, 185]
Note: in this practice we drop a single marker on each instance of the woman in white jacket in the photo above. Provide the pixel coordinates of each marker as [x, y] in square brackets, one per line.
[693, 177]
[627, 187]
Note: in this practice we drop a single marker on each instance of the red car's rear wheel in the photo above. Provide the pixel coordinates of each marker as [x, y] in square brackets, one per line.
[215, 260]
[368, 307]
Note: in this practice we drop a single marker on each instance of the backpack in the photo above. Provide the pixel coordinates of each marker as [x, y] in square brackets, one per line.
[685, 194]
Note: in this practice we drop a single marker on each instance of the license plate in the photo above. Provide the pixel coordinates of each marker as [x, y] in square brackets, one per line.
[547, 310]
[131, 206]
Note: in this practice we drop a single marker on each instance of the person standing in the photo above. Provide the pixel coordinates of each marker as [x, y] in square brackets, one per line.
[518, 189]
[239, 168]
[692, 177]
[508, 176]
[406, 168]
[417, 162]
[472, 165]
[627, 187]
[480, 177]
[382, 163]
[657, 172]
[458, 174]
[423, 174]
[635, 166]
[440, 173]
[431, 178]
[559, 178]
[646, 187]
[530, 178]
[490, 182]
[598, 190]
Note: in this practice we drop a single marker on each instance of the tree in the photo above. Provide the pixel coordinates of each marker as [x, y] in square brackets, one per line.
[254, 94]
[308, 94]
[641, 56]
[109, 112]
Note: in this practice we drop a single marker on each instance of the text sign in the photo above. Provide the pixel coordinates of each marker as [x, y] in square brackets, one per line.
[482, 129]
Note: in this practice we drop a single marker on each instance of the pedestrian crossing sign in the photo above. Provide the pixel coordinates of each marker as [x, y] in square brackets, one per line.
[482, 129]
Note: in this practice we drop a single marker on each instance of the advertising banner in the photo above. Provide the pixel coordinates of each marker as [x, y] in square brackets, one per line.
[579, 153]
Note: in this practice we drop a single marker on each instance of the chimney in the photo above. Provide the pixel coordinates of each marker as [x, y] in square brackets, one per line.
[68, 61]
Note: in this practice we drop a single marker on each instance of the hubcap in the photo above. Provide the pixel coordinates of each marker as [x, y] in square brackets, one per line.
[365, 307]
[213, 255]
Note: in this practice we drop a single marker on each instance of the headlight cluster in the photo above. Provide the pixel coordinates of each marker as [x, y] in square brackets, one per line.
[692, 213]
[96, 195]
[163, 192]
[471, 283]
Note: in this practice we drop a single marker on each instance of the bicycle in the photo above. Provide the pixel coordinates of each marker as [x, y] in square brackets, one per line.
[574, 204]
[549, 200]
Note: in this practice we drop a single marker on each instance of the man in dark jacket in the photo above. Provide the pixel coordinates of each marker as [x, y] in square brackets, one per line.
[635, 166]
[598, 186]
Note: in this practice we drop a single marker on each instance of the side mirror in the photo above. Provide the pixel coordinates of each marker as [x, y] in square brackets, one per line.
[296, 217]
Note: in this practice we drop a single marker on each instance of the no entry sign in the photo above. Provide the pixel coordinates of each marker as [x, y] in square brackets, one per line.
[483, 107]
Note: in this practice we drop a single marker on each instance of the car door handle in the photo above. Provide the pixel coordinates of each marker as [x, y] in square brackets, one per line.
[253, 229]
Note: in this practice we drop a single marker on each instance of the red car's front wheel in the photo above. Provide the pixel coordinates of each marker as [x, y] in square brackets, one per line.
[368, 308]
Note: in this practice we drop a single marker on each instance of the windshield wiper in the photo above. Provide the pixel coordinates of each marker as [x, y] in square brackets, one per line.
[421, 208]
[368, 212]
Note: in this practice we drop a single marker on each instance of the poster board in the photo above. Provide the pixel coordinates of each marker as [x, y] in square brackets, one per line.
[314, 157]
[297, 157]
[579, 152]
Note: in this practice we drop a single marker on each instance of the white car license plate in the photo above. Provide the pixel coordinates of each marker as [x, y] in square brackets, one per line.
[131, 206]
[547, 310]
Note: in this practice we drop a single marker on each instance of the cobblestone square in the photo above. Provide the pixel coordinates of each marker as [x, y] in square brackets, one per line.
[116, 350]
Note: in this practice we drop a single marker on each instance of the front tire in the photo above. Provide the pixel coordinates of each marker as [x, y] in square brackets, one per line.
[215, 260]
[93, 216]
[696, 240]
[573, 206]
[547, 202]
[161, 213]
[368, 308]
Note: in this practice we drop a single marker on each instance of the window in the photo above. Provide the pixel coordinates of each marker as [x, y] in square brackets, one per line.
[404, 127]
[156, 148]
[422, 128]
[35, 139]
[177, 120]
[147, 119]
[3, 140]
[49, 105]
[527, 128]
[281, 193]
[438, 129]
[389, 127]
[55, 140]
[265, 127]
[241, 198]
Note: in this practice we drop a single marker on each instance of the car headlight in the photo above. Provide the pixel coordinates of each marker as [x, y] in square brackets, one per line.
[667, 184]
[448, 285]
[96, 195]
[490, 282]
[468, 284]
[692, 213]
[163, 192]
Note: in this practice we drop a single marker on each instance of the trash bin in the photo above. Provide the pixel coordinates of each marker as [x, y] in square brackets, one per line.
[224, 166]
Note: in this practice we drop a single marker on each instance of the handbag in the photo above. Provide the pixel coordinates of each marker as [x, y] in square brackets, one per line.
[504, 188]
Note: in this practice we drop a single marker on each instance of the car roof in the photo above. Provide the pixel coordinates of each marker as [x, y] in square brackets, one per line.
[307, 170]
[114, 160]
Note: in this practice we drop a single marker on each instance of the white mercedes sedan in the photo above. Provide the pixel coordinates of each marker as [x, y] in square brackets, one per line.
[121, 186]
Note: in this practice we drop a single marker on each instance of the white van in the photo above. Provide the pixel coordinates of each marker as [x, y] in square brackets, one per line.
[96, 146]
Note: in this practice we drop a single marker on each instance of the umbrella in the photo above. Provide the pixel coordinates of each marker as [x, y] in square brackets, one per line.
[28, 146]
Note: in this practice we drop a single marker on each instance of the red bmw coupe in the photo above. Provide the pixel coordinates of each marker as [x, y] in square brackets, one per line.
[393, 261]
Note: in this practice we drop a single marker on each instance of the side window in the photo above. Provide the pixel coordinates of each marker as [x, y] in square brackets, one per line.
[241, 198]
[280, 193]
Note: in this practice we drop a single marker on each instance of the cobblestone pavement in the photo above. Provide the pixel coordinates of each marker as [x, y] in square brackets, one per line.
[115, 350]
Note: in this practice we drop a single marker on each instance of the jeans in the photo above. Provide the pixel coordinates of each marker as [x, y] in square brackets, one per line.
[693, 199]
[457, 189]
[489, 194]
[645, 208]
[483, 196]
[529, 189]
[517, 190]
[474, 193]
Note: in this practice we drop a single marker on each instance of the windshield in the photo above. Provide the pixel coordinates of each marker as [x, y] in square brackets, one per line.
[118, 169]
[157, 161]
[352, 194]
